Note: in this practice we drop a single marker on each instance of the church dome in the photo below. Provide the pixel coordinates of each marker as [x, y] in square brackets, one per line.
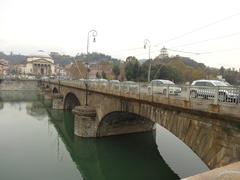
[41, 54]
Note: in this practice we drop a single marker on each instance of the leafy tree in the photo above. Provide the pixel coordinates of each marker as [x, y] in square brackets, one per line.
[75, 72]
[132, 69]
[166, 72]
[116, 70]
[98, 75]
[222, 70]
[104, 76]
[231, 76]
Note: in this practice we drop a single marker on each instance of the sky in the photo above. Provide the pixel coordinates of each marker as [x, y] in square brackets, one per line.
[206, 31]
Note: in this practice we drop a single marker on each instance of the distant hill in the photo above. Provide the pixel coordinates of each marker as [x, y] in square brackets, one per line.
[14, 58]
[62, 59]
[185, 60]
[186, 67]
[95, 58]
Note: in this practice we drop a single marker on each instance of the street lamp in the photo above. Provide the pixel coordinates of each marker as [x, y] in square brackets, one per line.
[147, 43]
[92, 33]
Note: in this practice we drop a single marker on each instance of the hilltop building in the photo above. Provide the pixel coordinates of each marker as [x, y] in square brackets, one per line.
[163, 53]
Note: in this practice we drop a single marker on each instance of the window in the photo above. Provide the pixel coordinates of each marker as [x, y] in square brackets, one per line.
[157, 83]
[209, 84]
[200, 84]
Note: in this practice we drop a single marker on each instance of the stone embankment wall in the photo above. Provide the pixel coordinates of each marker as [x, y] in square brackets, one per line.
[19, 85]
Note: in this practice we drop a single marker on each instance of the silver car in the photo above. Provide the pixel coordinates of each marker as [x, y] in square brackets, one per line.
[162, 86]
[209, 88]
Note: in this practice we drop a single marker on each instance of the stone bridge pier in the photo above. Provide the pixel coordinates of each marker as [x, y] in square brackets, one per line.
[87, 124]
[57, 101]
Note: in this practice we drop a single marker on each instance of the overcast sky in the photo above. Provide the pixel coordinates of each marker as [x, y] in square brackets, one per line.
[122, 25]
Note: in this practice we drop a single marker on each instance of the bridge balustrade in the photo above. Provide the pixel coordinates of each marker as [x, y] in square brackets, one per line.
[223, 99]
[146, 91]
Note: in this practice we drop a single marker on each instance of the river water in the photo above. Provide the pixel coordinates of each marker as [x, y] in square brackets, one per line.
[37, 143]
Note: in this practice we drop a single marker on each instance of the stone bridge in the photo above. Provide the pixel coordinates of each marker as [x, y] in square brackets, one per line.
[211, 131]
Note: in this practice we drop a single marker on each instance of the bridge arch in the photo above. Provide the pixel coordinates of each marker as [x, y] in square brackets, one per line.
[71, 101]
[122, 122]
[55, 90]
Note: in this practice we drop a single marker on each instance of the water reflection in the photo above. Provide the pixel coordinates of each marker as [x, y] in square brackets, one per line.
[133, 156]
[36, 109]
[1, 103]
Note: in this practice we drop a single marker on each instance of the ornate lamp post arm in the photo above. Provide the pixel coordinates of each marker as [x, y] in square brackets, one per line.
[147, 43]
[94, 34]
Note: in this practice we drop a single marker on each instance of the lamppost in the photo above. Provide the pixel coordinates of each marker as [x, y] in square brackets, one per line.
[92, 33]
[147, 43]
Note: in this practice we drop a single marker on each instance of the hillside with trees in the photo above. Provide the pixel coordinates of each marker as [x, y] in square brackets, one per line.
[178, 69]
[62, 59]
[95, 58]
[14, 58]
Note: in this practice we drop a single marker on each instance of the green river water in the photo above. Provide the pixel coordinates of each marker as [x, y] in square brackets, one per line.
[38, 143]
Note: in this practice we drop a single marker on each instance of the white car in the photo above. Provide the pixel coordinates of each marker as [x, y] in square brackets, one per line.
[162, 86]
[207, 89]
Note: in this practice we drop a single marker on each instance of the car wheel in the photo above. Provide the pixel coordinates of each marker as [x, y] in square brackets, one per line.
[193, 94]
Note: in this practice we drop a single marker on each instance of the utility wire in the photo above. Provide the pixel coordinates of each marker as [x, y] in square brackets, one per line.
[122, 50]
[199, 28]
[188, 33]
[223, 50]
[206, 40]
[185, 34]
[188, 52]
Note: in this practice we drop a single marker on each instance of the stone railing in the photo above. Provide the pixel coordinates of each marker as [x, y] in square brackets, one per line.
[218, 100]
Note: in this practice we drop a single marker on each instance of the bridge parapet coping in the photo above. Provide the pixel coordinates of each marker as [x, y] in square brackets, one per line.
[85, 111]
[230, 172]
[183, 101]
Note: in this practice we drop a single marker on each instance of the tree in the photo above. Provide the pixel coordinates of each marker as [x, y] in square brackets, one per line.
[132, 68]
[75, 72]
[104, 76]
[222, 70]
[98, 75]
[116, 70]
[166, 72]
